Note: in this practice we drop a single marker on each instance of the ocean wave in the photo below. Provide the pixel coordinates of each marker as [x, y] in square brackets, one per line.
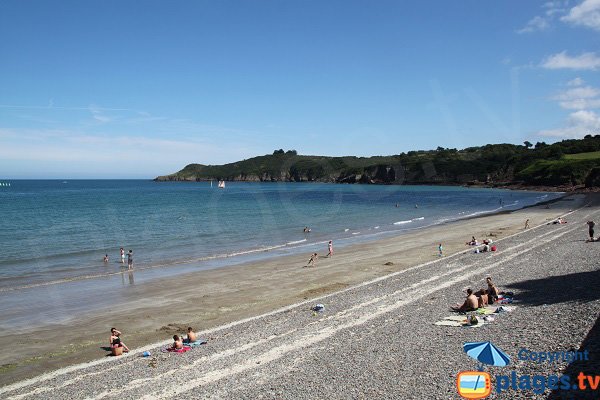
[295, 242]
[418, 219]
[403, 222]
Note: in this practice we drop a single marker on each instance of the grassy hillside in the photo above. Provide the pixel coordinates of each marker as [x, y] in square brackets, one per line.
[569, 162]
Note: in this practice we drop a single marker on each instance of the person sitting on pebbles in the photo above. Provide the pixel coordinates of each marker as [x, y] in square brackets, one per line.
[492, 290]
[191, 335]
[471, 303]
[177, 343]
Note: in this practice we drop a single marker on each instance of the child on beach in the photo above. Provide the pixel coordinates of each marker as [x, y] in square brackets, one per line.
[130, 259]
[177, 342]
[330, 248]
[313, 260]
[440, 250]
[526, 224]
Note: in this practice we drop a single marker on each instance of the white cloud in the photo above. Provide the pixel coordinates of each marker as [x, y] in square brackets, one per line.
[579, 124]
[554, 7]
[585, 14]
[537, 23]
[576, 82]
[579, 98]
[585, 61]
[581, 92]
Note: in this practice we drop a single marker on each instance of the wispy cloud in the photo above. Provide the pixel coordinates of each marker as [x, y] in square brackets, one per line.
[576, 82]
[550, 11]
[584, 121]
[579, 98]
[53, 107]
[586, 14]
[579, 124]
[537, 23]
[584, 61]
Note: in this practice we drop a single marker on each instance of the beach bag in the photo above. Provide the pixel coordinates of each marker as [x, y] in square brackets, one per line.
[494, 248]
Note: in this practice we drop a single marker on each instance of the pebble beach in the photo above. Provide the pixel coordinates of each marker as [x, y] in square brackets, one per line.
[377, 338]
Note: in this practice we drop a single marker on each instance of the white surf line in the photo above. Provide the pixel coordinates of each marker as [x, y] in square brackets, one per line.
[339, 318]
[229, 352]
[312, 338]
[76, 367]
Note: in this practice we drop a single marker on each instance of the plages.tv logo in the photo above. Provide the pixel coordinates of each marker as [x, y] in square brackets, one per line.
[478, 384]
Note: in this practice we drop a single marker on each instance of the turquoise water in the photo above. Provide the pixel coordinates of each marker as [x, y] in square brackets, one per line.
[55, 233]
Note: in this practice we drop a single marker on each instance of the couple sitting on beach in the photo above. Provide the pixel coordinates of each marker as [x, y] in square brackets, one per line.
[178, 342]
[479, 299]
[487, 246]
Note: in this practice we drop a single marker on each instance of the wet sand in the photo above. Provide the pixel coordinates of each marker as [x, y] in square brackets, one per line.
[157, 310]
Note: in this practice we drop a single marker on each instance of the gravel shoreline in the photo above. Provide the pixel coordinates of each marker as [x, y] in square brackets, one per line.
[376, 340]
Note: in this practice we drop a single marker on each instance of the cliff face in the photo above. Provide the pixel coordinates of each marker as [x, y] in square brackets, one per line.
[375, 174]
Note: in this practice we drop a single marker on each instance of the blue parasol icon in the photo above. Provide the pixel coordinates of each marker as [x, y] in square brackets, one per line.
[486, 353]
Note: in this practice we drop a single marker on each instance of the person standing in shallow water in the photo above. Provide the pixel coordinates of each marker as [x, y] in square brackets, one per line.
[122, 251]
[130, 259]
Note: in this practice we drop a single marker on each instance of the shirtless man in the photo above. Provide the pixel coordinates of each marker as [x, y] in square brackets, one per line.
[470, 303]
[191, 335]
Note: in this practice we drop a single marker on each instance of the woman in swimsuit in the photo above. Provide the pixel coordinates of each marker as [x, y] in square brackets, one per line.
[115, 340]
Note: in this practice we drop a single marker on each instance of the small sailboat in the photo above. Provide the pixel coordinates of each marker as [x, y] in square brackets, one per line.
[221, 185]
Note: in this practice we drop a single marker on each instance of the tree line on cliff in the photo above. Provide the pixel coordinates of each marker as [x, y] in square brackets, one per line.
[570, 162]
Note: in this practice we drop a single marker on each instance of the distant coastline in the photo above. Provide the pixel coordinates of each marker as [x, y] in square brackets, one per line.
[570, 165]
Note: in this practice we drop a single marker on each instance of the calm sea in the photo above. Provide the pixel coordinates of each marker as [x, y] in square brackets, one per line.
[55, 233]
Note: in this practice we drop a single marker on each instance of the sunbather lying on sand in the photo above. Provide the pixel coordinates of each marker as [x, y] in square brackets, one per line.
[470, 303]
[177, 343]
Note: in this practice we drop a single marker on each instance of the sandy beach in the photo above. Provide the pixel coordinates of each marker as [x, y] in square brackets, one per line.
[209, 299]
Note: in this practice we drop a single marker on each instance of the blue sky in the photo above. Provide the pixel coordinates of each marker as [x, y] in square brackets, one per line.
[130, 89]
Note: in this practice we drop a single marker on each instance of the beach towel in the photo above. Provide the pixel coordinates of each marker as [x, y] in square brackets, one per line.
[458, 321]
[196, 343]
[448, 323]
[172, 350]
[485, 311]
[503, 309]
